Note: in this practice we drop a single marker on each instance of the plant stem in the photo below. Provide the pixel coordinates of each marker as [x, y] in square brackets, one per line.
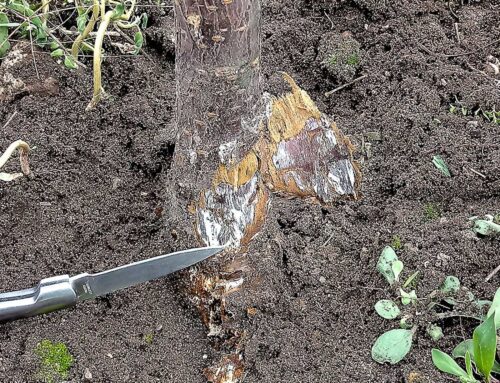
[441, 316]
[45, 11]
[101, 32]
[98, 91]
[23, 150]
[89, 28]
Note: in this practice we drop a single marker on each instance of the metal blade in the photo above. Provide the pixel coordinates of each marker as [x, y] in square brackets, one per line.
[88, 286]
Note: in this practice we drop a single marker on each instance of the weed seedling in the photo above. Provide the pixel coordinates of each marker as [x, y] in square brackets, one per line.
[148, 338]
[396, 243]
[490, 115]
[55, 361]
[487, 227]
[431, 211]
[414, 312]
[479, 352]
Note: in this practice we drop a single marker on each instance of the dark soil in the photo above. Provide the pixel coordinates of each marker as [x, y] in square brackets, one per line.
[97, 199]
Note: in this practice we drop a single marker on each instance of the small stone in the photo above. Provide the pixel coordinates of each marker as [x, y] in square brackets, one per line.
[87, 374]
[442, 259]
[116, 183]
[322, 279]
[205, 356]
[472, 124]
[109, 355]
[443, 82]
[159, 328]
[373, 136]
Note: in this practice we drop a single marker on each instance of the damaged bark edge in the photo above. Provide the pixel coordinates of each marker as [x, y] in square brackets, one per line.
[236, 148]
[300, 153]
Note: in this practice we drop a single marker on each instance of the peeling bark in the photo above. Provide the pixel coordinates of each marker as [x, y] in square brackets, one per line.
[236, 148]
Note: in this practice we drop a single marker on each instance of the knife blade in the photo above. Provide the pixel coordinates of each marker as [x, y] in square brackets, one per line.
[64, 291]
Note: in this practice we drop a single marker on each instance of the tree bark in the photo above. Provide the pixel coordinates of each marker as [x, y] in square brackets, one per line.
[218, 85]
[235, 148]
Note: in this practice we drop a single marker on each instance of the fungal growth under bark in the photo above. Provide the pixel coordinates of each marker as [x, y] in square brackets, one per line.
[236, 148]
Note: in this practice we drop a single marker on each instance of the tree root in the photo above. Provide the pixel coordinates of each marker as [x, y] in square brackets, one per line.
[23, 158]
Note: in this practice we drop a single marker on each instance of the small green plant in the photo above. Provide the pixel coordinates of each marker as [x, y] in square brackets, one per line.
[55, 361]
[414, 313]
[341, 55]
[490, 115]
[353, 60]
[148, 338]
[396, 243]
[24, 149]
[479, 352]
[431, 211]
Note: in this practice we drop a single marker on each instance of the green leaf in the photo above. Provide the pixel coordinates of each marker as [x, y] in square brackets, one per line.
[451, 285]
[144, 20]
[495, 308]
[384, 264]
[406, 322]
[69, 62]
[57, 53]
[138, 41]
[392, 346]
[387, 309]
[411, 278]
[496, 367]
[4, 35]
[81, 22]
[485, 342]
[441, 165]
[445, 363]
[435, 332]
[467, 346]
[462, 348]
[397, 267]
[407, 298]
[485, 227]
[468, 364]
[118, 11]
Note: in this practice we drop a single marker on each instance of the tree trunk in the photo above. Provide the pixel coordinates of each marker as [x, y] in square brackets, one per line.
[235, 148]
[218, 86]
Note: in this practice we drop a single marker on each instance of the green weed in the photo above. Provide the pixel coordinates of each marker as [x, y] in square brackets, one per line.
[431, 211]
[396, 243]
[479, 352]
[148, 338]
[412, 312]
[490, 115]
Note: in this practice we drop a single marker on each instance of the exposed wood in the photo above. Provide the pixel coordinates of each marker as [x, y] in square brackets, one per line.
[235, 148]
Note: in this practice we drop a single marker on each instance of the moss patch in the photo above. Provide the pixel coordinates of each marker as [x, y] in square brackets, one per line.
[55, 361]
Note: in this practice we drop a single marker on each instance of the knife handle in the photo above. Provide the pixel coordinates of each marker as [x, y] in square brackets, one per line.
[51, 294]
